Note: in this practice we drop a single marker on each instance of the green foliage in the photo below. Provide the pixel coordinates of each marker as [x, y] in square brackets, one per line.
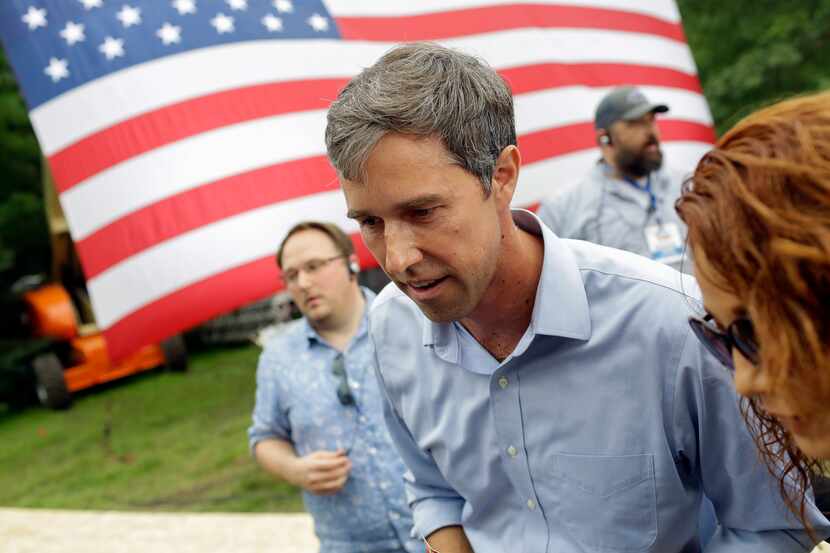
[752, 53]
[24, 237]
[158, 441]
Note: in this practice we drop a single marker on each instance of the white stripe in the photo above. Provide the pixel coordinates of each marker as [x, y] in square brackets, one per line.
[664, 9]
[204, 158]
[106, 101]
[214, 248]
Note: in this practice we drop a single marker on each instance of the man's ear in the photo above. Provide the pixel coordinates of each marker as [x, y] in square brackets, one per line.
[506, 174]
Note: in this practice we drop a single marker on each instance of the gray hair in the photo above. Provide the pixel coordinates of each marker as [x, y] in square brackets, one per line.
[424, 90]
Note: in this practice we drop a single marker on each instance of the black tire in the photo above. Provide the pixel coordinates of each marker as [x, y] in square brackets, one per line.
[50, 384]
[175, 354]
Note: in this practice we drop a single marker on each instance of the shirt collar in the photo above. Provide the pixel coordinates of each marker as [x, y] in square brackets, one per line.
[362, 328]
[561, 306]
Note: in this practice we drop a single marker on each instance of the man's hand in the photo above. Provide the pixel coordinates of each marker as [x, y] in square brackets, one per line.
[449, 539]
[322, 472]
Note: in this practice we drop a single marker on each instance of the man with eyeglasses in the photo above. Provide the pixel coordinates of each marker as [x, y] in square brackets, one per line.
[318, 420]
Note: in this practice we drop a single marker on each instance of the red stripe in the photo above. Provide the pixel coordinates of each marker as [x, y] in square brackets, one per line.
[218, 200]
[547, 143]
[145, 132]
[200, 301]
[471, 21]
[553, 75]
[154, 129]
[201, 206]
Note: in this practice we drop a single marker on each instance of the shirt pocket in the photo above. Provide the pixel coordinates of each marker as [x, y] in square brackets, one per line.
[608, 503]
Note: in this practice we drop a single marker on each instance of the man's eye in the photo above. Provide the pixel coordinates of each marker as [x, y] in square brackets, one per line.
[312, 266]
[368, 222]
[423, 213]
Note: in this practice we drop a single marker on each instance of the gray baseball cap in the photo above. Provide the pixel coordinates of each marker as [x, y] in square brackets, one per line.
[624, 103]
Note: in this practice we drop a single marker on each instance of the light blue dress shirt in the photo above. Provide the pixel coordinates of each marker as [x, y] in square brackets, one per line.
[600, 433]
[296, 400]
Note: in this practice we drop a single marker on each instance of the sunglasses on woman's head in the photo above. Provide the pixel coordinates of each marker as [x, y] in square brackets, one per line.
[740, 335]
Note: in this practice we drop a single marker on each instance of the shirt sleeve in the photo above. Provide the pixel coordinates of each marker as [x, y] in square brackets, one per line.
[434, 503]
[711, 431]
[269, 417]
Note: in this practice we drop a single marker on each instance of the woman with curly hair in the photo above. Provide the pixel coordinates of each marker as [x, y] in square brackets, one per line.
[758, 216]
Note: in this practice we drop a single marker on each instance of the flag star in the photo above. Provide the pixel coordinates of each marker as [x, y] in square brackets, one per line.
[73, 32]
[112, 48]
[185, 7]
[57, 69]
[238, 4]
[222, 23]
[129, 16]
[284, 6]
[170, 34]
[318, 22]
[272, 23]
[89, 4]
[34, 18]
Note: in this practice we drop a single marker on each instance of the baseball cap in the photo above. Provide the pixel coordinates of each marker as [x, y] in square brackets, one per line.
[624, 103]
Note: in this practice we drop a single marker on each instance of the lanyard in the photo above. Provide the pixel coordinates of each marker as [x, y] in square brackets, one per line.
[647, 188]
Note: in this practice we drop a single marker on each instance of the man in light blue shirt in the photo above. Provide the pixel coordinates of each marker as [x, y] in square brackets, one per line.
[318, 420]
[546, 395]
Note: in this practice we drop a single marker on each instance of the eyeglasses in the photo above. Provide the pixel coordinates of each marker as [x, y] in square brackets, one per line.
[310, 267]
[739, 335]
[344, 394]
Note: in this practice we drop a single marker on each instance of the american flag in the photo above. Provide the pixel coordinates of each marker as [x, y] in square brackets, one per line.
[186, 136]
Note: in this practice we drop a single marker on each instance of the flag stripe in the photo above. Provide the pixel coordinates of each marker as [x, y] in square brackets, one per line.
[554, 75]
[662, 9]
[69, 118]
[151, 130]
[451, 24]
[157, 174]
[211, 249]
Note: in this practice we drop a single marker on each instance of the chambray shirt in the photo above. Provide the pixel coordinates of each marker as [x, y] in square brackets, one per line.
[612, 212]
[599, 433]
[296, 400]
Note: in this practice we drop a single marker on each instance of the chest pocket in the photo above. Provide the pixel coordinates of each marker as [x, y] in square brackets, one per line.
[608, 503]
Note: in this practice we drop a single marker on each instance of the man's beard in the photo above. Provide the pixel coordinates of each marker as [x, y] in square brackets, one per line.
[638, 164]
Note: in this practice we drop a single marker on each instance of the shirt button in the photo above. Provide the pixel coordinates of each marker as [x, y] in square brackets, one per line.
[394, 516]
[531, 504]
[512, 451]
[503, 382]
[363, 419]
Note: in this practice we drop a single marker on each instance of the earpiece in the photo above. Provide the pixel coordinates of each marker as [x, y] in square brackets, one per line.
[354, 267]
[605, 139]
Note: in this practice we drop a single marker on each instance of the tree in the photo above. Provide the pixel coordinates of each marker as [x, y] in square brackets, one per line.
[752, 53]
[24, 237]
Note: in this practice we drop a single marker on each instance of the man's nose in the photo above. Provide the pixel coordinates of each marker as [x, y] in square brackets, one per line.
[303, 279]
[401, 249]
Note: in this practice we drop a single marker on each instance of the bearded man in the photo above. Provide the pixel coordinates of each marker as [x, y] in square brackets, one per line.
[627, 199]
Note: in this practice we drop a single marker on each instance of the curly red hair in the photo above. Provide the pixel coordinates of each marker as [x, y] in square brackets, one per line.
[758, 206]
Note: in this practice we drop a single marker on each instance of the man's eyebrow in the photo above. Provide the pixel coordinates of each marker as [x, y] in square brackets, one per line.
[419, 202]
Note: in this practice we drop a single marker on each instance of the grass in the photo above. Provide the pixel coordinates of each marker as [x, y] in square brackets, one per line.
[154, 442]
